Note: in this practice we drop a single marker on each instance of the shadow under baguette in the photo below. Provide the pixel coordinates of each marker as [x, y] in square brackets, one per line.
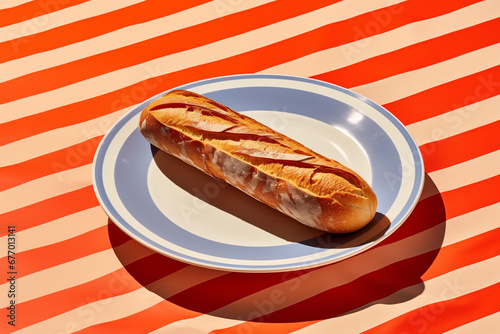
[389, 273]
[244, 207]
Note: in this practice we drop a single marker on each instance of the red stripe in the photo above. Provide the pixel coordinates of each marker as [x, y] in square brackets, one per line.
[461, 147]
[153, 267]
[81, 30]
[125, 97]
[445, 315]
[73, 113]
[472, 197]
[117, 236]
[264, 328]
[468, 308]
[421, 54]
[438, 208]
[77, 247]
[464, 253]
[177, 41]
[446, 97]
[370, 287]
[249, 62]
[428, 213]
[114, 284]
[235, 287]
[145, 321]
[58, 253]
[36, 10]
[49, 209]
[70, 157]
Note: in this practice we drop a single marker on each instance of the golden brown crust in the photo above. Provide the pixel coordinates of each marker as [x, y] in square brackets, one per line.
[276, 170]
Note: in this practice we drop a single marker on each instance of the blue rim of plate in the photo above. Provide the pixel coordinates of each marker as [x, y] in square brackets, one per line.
[123, 157]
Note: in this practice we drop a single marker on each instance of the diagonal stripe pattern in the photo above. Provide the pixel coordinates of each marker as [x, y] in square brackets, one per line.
[70, 69]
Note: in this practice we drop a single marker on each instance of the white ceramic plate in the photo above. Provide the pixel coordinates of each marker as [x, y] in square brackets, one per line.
[182, 213]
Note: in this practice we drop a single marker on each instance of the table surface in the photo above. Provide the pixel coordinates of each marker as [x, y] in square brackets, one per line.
[70, 69]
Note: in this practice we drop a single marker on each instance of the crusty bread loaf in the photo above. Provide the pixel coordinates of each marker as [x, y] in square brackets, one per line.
[272, 168]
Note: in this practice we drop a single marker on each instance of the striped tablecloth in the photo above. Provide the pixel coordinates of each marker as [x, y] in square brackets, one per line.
[69, 69]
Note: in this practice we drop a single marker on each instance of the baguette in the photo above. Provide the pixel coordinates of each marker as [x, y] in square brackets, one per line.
[272, 168]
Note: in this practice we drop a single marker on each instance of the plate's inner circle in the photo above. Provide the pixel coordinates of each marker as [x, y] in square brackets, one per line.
[181, 212]
[211, 209]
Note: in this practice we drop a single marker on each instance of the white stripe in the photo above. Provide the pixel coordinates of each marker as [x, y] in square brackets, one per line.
[50, 20]
[459, 120]
[459, 228]
[76, 272]
[113, 308]
[204, 54]
[183, 279]
[60, 229]
[58, 139]
[437, 290]
[119, 38]
[131, 251]
[403, 85]
[202, 324]
[465, 173]
[45, 187]
[12, 3]
[365, 48]
[66, 275]
[488, 324]
[97, 312]
[302, 288]
[164, 288]
[462, 174]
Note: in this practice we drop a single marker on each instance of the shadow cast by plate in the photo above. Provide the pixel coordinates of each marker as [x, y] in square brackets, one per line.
[244, 207]
[388, 273]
